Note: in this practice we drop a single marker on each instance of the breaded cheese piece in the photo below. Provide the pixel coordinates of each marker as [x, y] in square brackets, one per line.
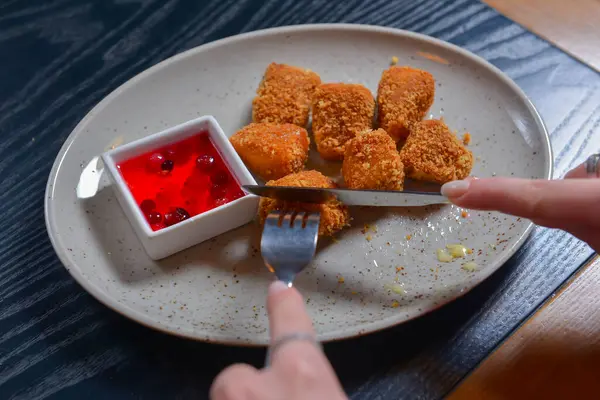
[334, 215]
[432, 153]
[284, 95]
[371, 161]
[272, 151]
[340, 112]
[404, 96]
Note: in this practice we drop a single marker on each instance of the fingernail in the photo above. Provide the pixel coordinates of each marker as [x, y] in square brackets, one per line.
[455, 189]
[276, 287]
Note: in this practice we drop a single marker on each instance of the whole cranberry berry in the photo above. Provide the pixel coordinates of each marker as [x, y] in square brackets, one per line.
[205, 162]
[154, 163]
[182, 214]
[170, 218]
[154, 217]
[167, 166]
[176, 216]
[179, 154]
[220, 178]
[170, 153]
[147, 205]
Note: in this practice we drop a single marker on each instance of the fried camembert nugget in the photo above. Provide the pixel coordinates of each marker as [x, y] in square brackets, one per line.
[334, 215]
[403, 98]
[340, 112]
[371, 161]
[272, 150]
[284, 95]
[433, 153]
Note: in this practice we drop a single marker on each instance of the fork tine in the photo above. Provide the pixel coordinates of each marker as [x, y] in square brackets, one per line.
[313, 220]
[298, 221]
[272, 220]
[288, 247]
[288, 219]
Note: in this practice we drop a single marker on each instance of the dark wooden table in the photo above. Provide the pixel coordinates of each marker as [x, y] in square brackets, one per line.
[60, 57]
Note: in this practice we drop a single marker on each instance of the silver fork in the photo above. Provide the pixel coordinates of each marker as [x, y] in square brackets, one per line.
[288, 243]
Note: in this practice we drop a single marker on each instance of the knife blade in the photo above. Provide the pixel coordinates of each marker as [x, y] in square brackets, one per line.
[350, 197]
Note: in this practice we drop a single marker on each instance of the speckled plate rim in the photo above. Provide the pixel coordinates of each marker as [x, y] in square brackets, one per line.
[345, 333]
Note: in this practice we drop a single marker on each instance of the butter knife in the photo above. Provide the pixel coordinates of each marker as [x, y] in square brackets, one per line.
[350, 197]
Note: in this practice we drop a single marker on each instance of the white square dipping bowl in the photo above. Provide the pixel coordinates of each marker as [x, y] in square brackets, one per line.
[169, 240]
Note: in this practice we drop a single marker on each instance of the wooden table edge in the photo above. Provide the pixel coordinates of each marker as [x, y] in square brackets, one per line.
[472, 383]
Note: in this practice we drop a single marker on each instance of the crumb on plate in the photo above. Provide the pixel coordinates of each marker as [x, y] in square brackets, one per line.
[466, 138]
[456, 250]
[367, 227]
[443, 256]
[469, 266]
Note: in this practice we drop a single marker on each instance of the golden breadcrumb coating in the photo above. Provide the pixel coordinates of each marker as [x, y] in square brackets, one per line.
[334, 215]
[272, 150]
[284, 95]
[340, 112]
[371, 161]
[403, 98]
[433, 153]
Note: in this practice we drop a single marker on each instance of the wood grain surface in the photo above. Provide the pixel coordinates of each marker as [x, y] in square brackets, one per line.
[553, 356]
[61, 57]
[571, 25]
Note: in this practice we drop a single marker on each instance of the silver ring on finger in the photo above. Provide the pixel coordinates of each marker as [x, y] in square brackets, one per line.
[592, 166]
[290, 337]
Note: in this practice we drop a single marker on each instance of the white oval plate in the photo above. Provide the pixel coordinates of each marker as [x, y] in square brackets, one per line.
[216, 290]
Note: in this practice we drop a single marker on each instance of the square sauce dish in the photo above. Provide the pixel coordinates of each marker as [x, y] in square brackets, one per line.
[181, 186]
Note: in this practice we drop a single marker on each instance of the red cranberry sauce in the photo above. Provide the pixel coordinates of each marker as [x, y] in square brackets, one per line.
[179, 181]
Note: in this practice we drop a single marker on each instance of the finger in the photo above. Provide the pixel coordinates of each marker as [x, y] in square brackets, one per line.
[568, 200]
[287, 313]
[300, 364]
[578, 172]
[237, 382]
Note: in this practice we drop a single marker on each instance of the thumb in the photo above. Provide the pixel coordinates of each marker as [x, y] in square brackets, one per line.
[556, 202]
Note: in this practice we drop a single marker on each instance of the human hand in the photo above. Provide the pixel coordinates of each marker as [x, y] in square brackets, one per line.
[571, 204]
[298, 369]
